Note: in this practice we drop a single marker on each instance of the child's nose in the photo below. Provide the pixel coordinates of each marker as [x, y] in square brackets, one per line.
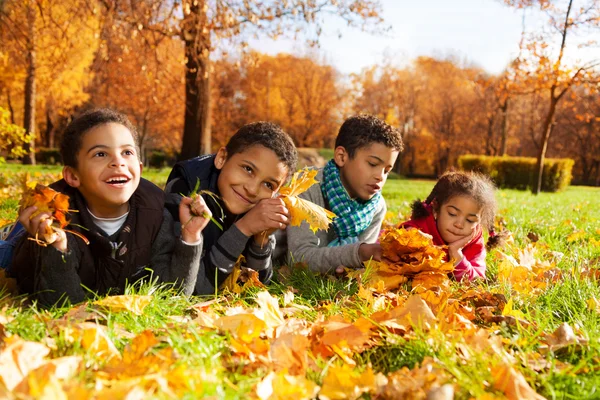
[118, 161]
[251, 189]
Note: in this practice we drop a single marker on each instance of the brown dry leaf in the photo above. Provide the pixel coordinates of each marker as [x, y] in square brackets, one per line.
[138, 359]
[384, 277]
[301, 210]
[430, 279]
[422, 382]
[513, 384]
[245, 327]
[132, 303]
[415, 312]
[281, 386]
[91, 336]
[563, 336]
[241, 278]
[344, 382]
[354, 337]
[289, 353]
[400, 241]
[17, 358]
[269, 312]
[42, 382]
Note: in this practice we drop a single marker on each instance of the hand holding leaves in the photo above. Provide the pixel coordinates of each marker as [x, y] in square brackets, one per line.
[264, 218]
[195, 214]
[43, 214]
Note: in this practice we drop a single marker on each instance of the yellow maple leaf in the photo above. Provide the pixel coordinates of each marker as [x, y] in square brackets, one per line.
[283, 386]
[132, 303]
[241, 278]
[343, 382]
[303, 210]
[513, 384]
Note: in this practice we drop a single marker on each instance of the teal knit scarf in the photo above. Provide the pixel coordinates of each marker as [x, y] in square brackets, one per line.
[353, 216]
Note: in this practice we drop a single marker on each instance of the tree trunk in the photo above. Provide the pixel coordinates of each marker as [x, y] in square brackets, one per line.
[490, 135]
[29, 107]
[503, 144]
[50, 128]
[196, 128]
[10, 107]
[547, 130]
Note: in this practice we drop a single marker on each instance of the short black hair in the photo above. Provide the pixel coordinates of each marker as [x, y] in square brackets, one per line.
[73, 135]
[362, 130]
[266, 134]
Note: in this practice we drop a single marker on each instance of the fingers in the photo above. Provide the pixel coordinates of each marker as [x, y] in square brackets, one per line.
[35, 224]
[197, 206]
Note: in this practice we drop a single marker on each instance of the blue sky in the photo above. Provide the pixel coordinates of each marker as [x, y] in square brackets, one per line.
[482, 32]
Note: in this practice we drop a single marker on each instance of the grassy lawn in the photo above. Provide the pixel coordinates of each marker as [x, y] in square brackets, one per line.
[544, 333]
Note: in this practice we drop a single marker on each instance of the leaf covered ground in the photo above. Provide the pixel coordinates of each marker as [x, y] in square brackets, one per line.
[530, 331]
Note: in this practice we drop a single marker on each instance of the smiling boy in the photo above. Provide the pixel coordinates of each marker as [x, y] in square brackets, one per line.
[246, 174]
[121, 214]
[366, 149]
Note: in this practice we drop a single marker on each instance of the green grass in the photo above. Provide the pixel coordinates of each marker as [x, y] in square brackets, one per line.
[566, 224]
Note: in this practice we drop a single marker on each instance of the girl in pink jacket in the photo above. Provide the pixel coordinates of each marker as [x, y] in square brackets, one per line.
[459, 206]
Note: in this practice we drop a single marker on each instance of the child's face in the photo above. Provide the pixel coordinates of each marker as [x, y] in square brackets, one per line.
[457, 218]
[248, 177]
[108, 170]
[365, 174]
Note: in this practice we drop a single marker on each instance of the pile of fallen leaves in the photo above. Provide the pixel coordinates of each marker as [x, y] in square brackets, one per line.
[296, 356]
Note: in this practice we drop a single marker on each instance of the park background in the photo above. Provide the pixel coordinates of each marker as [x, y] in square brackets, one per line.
[458, 78]
[492, 78]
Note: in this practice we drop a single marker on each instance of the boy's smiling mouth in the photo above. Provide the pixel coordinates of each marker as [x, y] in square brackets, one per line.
[243, 198]
[118, 181]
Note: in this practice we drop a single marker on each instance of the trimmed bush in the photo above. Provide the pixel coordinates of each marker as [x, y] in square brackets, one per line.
[520, 172]
[48, 155]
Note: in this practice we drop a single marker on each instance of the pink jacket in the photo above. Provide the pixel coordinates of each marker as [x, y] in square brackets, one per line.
[473, 263]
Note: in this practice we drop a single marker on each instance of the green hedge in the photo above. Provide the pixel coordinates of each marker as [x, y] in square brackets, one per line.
[48, 155]
[520, 172]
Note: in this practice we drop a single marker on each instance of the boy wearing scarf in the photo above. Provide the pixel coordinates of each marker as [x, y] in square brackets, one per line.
[366, 149]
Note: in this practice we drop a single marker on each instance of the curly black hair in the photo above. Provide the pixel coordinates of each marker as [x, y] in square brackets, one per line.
[73, 135]
[477, 186]
[362, 130]
[266, 134]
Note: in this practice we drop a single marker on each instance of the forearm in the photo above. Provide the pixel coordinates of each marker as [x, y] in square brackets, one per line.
[304, 246]
[470, 269]
[173, 260]
[259, 258]
[56, 278]
[222, 256]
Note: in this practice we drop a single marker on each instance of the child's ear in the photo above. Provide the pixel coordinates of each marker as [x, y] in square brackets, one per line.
[141, 167]
[220, 158]
[71, 177]
[340, 156]
[435, 208]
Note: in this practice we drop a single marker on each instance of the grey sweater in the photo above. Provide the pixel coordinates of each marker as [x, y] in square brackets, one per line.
[171, 261]
[305, 246]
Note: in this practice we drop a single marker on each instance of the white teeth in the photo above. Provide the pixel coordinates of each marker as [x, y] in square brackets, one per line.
[117, 180]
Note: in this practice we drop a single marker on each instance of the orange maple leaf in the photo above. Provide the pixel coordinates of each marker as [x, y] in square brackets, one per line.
[48, 200]
[301, 210]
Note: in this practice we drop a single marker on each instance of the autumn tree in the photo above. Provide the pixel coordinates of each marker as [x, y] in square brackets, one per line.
[204, 25]
[543, 65]
[50, 44]
[138, 71]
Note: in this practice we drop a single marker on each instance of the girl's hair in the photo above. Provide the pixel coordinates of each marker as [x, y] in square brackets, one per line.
[477, 186]
[73, 136]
